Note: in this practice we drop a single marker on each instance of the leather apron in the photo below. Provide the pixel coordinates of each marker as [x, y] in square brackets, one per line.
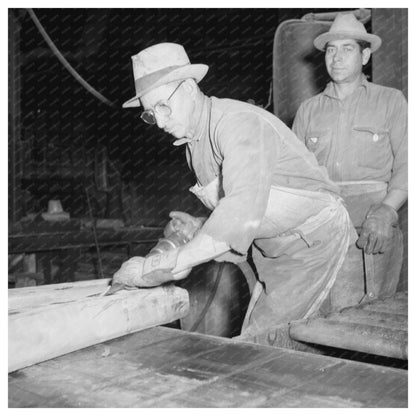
[293, 229]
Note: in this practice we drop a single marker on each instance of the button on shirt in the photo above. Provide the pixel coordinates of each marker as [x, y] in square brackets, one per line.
[250, 150]
[362, 137]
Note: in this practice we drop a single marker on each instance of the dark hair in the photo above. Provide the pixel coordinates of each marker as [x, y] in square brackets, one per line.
[363, 44]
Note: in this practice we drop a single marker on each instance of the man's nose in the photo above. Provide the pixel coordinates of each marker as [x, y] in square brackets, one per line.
[160, 121]
[338, 55]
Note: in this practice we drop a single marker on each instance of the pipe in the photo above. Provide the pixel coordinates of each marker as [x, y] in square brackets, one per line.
[365, 338]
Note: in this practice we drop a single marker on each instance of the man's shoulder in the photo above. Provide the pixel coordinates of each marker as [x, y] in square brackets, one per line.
[384, 90]
[233, 115]
[234, 109]
[314, 100]
[229, 105]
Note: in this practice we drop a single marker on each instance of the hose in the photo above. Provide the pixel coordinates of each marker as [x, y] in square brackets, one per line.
[210, 299]
[65, 63]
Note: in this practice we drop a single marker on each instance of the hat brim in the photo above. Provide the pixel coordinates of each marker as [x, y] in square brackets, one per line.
[195, 71]
[321, 41]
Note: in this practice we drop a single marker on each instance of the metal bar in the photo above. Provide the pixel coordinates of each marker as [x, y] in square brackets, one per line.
[379, 319]
[392, 306]
[352, 336]
[370, 286]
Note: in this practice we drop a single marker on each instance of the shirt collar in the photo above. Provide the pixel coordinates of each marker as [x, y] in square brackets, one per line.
[330, 87]
[203, 110]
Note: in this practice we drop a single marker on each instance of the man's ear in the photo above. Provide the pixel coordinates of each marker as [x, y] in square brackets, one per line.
[366, 54]
[190, 87]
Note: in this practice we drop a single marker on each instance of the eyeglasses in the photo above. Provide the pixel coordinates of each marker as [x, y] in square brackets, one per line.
[162, 108]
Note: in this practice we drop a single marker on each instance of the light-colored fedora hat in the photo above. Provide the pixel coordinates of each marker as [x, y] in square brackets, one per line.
[346, 26]
[160, 64]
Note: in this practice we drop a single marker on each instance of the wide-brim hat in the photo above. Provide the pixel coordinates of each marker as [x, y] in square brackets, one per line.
[160, 64]
[346, 26]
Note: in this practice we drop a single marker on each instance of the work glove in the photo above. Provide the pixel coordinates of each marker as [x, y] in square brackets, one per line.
[147, 271]
[184, 223]
[377, 228]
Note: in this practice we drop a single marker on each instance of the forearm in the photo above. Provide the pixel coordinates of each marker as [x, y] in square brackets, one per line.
[201, 249]
[395, 198]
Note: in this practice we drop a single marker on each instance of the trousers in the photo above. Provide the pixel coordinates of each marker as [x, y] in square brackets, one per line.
[350, 286]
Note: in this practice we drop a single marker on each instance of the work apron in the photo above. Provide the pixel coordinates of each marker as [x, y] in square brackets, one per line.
[300, 247]
[362, 275]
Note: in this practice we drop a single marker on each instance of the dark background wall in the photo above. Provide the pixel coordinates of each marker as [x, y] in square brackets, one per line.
[63, 140]
[391, 69]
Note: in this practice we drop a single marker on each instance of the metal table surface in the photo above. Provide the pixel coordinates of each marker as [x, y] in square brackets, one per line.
[164, 367]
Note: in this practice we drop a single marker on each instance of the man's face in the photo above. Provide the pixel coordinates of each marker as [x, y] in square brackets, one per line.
[344, 60]
[180, 106]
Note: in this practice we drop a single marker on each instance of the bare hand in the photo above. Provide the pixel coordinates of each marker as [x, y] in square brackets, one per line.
[377, 229]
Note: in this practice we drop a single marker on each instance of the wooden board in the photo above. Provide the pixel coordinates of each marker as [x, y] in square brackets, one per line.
[48, 321]
[163, 367]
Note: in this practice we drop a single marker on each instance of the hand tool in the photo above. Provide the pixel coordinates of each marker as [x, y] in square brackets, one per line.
[173, 240]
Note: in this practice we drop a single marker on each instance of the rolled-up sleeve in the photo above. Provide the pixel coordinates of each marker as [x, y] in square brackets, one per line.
[399, 144]
[249, 147]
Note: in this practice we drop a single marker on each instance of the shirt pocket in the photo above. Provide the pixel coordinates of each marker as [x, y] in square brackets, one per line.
[372, 147]
[318, 142]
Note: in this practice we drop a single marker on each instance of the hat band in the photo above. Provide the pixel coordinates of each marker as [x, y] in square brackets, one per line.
[143, 83]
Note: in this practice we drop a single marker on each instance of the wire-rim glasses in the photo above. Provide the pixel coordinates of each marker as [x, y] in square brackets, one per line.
[148, 116]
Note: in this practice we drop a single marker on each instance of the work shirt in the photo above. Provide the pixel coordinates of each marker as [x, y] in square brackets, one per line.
[360, 138]
[249, 150]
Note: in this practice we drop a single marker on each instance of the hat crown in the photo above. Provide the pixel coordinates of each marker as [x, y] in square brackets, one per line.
[158, 57]
[161, 64]
[347, 23]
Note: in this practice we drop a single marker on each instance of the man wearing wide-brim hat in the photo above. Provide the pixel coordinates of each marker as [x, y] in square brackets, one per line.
[358, 131]
[265, 190]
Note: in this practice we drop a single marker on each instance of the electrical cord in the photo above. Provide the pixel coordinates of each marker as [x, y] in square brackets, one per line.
[65, 63]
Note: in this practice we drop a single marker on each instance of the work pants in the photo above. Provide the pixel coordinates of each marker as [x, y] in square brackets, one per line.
[350, 286]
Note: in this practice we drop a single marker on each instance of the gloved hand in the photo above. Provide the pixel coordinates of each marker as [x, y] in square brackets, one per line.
[147, 272]
[377, 229]
[185, 223]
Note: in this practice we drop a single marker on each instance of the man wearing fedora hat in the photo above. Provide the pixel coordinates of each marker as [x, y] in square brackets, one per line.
[267, 194]
[358, 131]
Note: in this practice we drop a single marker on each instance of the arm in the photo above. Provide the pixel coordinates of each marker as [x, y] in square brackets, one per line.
[248, 159]
[397, 190]
[169, 265]
[201, 249]
[395, 198]
[377, 229]
[249, 148]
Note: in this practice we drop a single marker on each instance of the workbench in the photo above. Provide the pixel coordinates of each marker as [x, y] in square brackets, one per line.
[166, 367]
[57, 249]
[38, 241]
